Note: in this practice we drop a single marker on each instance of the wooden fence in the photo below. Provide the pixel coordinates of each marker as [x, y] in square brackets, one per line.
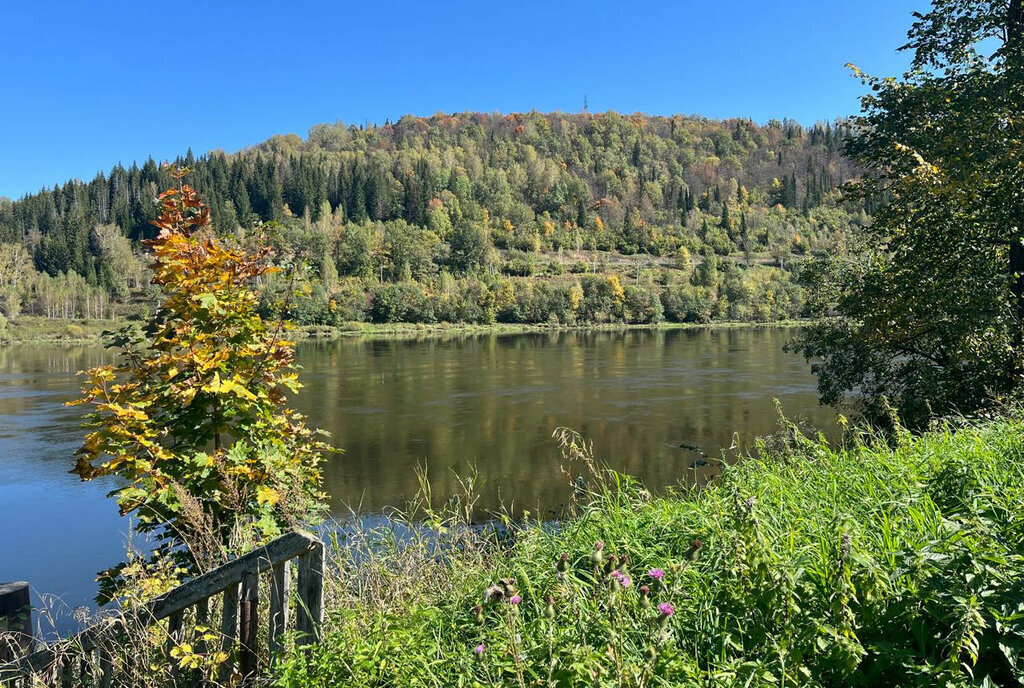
[70, 662]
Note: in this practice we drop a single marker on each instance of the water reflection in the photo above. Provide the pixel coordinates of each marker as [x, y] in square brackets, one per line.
[492, 402]
[448, 403]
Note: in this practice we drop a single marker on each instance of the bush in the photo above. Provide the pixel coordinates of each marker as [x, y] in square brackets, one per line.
[643, 307]
[190, 420]
[603, 299]
[685, 303]
[401, 302]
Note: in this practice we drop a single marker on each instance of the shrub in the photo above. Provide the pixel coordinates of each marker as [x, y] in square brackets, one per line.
[685, 303]
[192, 419]
[642, 306]
[401, 302]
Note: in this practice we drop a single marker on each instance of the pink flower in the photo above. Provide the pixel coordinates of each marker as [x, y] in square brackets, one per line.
[656, 574]
[515, 599]
[479, 649]
[617, 575]
[666, 609]
[625, 581]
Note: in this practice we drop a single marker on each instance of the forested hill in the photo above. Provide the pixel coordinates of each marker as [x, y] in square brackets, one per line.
[432, 204]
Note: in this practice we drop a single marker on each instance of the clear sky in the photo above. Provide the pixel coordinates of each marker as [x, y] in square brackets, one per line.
[87, 84]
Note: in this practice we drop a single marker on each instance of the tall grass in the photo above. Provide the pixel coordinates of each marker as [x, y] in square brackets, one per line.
[878, 563]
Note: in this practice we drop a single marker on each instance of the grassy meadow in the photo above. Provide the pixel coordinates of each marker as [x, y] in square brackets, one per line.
[891, 562]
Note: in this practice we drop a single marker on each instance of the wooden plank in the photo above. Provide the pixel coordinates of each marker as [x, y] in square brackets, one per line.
[16, 612]
[282, 549]
[67, 672]
[280, 594]
[106, 669]
[81, 644]
[228, 633]
[248, 639]
[311, 595]
[85, 670]
[202, 619]
[174, 638]
[259, 560]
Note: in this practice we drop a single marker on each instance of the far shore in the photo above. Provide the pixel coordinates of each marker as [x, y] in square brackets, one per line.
[37, 329]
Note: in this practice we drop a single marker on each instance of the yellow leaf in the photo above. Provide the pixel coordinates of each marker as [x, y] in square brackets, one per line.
[267, 495]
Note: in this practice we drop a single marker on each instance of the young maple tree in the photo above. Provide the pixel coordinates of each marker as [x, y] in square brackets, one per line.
[194, 417]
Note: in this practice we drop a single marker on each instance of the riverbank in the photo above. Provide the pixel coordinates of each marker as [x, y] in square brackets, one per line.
[35, 329]
[871, 564]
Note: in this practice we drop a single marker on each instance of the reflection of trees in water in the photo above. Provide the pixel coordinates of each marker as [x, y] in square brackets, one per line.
[492, 401]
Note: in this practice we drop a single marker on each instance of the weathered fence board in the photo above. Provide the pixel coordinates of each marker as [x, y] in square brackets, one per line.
[15, 620]
[238, 578]
[248, 646]
[228, 630]
[280, 593]
[311, 595]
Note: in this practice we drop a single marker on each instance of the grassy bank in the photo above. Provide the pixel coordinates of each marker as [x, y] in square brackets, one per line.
[875, 564]
[365, 329]
[38, 329]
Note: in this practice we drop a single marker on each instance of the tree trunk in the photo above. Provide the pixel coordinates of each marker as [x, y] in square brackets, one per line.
[1014, 51]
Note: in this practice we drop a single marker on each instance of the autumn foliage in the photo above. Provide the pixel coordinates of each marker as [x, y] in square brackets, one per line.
[194, 417]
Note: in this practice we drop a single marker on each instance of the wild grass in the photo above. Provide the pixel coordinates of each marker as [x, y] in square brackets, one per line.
[881, 562]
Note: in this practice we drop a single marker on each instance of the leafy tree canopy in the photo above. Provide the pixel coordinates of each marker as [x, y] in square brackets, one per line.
[194, 418]
[929, 311]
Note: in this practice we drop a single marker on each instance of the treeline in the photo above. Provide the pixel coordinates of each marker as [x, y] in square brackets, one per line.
[475, 217]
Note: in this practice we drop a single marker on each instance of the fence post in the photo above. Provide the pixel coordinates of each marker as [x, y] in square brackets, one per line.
[228, 632]
[248, 646]
[280, 593]
[311, 594]
[15, 620]
[174, 637]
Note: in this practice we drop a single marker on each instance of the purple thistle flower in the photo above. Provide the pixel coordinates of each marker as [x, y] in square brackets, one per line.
[479, 649]
[515, 599]
[666, 609]
[656, 574]
[617, 575]
[625, 581]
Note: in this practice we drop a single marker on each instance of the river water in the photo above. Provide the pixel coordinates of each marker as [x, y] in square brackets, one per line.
[450, 404]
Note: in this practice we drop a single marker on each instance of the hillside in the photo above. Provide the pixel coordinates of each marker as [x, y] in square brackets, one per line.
[472, 218]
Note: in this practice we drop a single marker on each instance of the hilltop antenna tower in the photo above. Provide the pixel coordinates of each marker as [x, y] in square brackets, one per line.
[584, 102]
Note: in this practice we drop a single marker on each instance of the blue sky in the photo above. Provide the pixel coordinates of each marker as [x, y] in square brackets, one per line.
[88, 84]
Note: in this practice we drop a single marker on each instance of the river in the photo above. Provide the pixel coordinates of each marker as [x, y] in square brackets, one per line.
[451, 404]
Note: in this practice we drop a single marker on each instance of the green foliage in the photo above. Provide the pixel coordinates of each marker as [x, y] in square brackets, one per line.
[468, 194]
[193, 420]
[893, 562]
[930, 310]
[401, 302]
